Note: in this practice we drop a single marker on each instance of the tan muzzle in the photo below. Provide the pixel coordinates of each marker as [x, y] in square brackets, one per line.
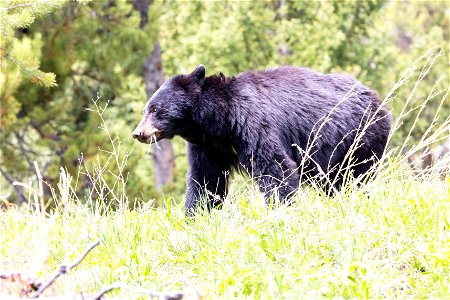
[145, 132]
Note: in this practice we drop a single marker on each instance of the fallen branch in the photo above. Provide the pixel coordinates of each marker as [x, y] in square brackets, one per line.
[63, 269]
[26, 286]
[122, 286]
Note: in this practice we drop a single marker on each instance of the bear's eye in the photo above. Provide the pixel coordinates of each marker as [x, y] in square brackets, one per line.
[152, 110]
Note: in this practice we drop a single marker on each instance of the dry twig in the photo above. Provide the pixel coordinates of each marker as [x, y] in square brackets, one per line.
[119, 285]
[30, 285]
[63, 269]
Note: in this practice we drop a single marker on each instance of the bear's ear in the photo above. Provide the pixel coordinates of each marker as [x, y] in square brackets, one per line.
[198, 75]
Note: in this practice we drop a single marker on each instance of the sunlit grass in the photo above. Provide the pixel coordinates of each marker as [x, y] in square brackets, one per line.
[389, 240]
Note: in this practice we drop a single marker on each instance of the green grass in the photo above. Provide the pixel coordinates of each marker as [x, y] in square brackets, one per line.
[390, 239]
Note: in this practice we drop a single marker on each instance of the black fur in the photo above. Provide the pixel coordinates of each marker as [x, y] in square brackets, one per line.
[262, 122]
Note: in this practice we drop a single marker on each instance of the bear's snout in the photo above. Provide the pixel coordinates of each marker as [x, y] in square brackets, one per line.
[145, 133]
[137, 134]
[145, 137]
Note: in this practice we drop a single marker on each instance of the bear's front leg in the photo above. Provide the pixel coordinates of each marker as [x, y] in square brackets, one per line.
[207, 177]
[276, 174]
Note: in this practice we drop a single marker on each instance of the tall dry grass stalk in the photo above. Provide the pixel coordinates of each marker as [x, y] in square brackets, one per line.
[105, 176]
[435, 134]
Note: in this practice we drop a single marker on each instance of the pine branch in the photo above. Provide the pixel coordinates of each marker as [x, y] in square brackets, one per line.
[36, 76]
[42, 134]
[24, 5]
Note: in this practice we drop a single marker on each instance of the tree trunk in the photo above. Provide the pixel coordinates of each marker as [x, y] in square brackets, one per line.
[163, 156]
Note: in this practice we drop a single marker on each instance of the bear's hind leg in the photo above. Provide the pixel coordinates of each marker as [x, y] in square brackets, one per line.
[276, 174]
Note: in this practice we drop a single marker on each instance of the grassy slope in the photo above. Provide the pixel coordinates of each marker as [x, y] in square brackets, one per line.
[391, 240]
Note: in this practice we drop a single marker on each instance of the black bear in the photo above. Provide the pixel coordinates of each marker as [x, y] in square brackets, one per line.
[281, 126]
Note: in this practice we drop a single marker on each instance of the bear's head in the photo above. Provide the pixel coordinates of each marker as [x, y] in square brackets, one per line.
[168, 111]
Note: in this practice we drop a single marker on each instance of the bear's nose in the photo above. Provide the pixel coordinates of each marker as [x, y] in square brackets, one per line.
[137, 134]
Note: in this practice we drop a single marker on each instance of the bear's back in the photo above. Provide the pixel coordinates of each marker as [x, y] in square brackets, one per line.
[299, 85]
[302, 93]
